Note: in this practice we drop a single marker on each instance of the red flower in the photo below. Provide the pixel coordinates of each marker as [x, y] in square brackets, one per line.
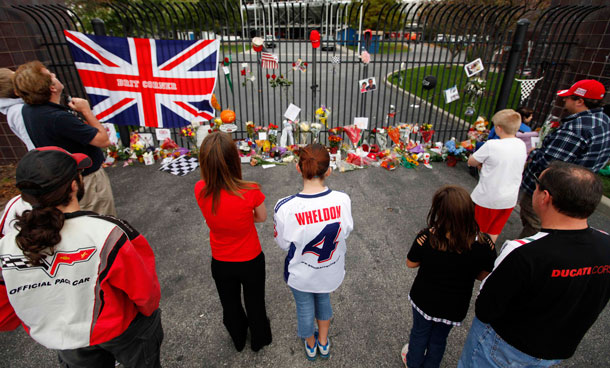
[555, 124]
[226, 60]
[294, 64]
[305, 63]
[209, 130]
[268, 76]
[212, 124]
[249, 143]
[273, 76]
[243, 72]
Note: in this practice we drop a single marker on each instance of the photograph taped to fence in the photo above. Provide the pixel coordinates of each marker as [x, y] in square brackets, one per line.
[451, 94]
[474, 67]
[367, 85]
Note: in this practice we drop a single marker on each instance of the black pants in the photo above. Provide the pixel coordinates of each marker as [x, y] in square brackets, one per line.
[137, 347]
[229, 278]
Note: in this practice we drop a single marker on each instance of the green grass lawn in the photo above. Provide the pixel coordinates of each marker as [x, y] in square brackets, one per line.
[228, 48]
[447, 77]
[385, 48]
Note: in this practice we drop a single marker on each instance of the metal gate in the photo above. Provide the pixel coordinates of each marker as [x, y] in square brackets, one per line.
[406, 43]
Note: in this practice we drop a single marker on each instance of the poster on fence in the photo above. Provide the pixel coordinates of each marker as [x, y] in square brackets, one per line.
[146, 82]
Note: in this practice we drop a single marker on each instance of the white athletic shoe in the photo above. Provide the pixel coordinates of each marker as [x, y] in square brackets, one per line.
[324, 350]
[403, 353]
[311, 353]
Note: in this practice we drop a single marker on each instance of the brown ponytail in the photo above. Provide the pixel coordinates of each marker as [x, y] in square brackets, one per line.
[39, 228]
[313, 161]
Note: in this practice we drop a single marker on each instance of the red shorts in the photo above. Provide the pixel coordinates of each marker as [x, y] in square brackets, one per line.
[491, 221]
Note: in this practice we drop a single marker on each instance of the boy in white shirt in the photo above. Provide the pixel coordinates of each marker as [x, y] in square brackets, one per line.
[501, 162]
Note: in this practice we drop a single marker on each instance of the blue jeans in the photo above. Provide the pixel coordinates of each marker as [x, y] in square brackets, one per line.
[427, 342]
[485, 348]
[310, 305]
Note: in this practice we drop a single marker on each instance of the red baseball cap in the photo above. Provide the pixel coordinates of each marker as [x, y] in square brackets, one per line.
[314, 37]
[586, 88]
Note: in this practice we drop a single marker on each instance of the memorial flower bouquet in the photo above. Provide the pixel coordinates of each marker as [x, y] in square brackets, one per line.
[190, 133]
[281, 81]
[304, 132]
[394, 134]
[453, 153]
[272, 134]
[353, 133]
[334, 141]
[478, 132]
[250, 130]
[215, 124]
[137, 147]
[426, 132]
[258, 160]
[473, 90]
[322, 114]
[316, 128]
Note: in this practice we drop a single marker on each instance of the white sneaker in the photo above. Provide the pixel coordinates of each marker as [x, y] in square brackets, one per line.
[324, 350]
[403, 353]
[311, 353]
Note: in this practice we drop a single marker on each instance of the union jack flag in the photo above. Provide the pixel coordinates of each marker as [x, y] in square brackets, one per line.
[146, 82]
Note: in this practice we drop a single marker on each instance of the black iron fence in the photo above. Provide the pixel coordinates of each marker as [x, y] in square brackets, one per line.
[406, 43]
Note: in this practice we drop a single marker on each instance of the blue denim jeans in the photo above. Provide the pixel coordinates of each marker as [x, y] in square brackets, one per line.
[310, 305]
[485, 348]
[427, 342]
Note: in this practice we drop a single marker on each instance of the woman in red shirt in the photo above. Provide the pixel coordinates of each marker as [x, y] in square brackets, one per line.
[230, 207]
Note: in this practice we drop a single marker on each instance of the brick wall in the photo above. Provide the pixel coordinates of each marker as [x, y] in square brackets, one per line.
[20, 42]
[590, 57]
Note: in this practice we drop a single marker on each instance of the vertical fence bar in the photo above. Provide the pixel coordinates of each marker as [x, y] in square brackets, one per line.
[513, 60]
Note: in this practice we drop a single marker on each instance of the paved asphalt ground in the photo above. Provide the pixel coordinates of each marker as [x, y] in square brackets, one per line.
[372, 314]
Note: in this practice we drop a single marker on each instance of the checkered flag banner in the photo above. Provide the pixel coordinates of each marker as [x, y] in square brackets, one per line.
[335, 60]
[269, 61]
[527, 86]
[181, 166]
[9, 261]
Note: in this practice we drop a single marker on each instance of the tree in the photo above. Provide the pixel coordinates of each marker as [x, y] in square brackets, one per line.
[391, 19]
[472, 34]
[157, 10]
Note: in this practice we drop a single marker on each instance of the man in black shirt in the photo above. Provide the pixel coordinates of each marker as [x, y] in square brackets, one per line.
[546, 290]
[50, 124]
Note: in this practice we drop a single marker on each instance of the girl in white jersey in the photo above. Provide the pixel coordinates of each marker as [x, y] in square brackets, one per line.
[312, 226]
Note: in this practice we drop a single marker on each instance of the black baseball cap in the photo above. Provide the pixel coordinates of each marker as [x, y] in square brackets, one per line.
[45, 169]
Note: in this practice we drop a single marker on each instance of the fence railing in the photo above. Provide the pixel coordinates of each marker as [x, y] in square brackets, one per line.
[406, 43]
